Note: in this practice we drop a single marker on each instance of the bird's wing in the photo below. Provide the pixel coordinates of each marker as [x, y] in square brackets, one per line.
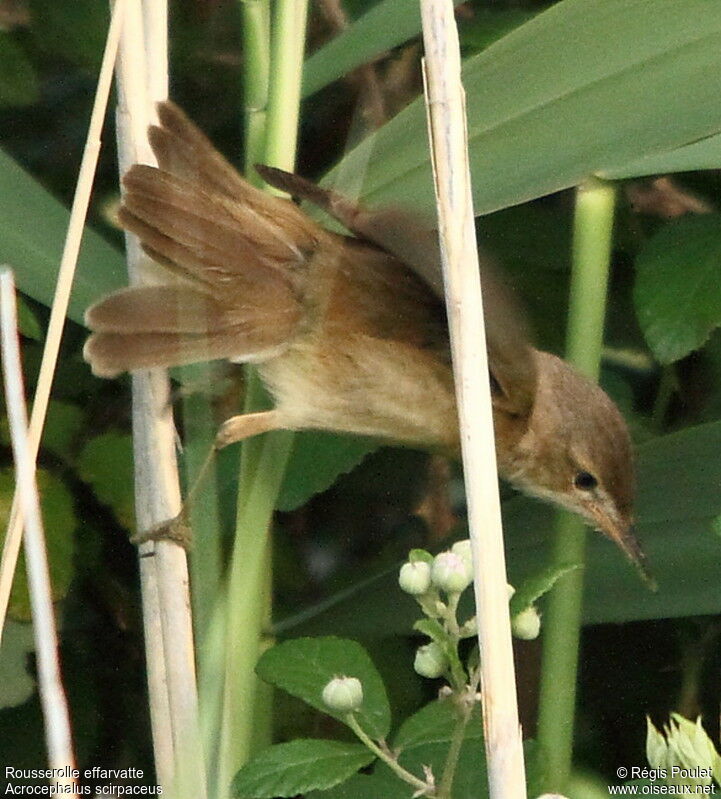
[415, 243]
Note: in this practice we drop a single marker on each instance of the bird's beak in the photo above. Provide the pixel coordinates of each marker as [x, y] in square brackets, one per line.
[623, 535]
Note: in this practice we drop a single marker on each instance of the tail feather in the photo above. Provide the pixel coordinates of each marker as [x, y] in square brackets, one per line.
[210, 223]
[157, 309]
[111, 354]
[183, 150]
[152, 326]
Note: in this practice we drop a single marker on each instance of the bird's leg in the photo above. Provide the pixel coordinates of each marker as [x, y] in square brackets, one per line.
[233, 430]
[245, 425]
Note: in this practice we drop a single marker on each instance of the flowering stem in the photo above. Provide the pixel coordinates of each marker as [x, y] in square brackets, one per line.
[389, 760]
[454, 750]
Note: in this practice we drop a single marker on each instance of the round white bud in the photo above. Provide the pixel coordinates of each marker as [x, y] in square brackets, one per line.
[430, 661]
[451, 573]
[343, 694]
[526, 625]
[415, 577]
[463, 550]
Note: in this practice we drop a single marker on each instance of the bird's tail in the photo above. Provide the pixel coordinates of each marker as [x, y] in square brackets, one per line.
[239, 257]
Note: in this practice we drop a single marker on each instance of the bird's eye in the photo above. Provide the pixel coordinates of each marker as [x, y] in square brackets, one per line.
[585, 481]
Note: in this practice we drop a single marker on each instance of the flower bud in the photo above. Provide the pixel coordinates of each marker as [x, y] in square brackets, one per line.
[430, 661]
[451, 573]
[684, 750]
[527, 624]
[463, 550]
[343, 694]
[415, 577]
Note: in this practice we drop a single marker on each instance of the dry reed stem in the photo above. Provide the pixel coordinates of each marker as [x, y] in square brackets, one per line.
[52, 696]
[59, 309]
[445, 101]
[163, 565]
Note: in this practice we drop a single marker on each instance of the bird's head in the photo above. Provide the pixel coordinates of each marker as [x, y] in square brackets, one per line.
[577, 453]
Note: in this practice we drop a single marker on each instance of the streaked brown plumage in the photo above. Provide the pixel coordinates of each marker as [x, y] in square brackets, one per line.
[348, 333]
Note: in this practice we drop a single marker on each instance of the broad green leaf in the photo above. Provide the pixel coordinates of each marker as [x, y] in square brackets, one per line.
[584, 87]
[63, 424]
[704, 154]
[534, 587]
[18, 80]
[678, 291]
[304, 666]
[17, 643]
[298, 766]
[74, 30]
[106, 465]
[434, 723]
[423, 740]
[316, 461]
[28, 323]
[59, 521]
[391, 23]
[381, 783]
[31, 241]
[489, 24]
[678, 501]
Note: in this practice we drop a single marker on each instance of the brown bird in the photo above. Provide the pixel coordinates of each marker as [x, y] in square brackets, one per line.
[348, 332]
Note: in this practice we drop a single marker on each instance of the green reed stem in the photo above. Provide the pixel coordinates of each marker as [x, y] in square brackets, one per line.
[256, 78]
[246, 712]
[593, 226]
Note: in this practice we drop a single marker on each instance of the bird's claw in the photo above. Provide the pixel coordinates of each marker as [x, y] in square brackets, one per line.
[176, 530]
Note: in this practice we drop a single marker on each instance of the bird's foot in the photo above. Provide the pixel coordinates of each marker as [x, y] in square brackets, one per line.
[176, 530]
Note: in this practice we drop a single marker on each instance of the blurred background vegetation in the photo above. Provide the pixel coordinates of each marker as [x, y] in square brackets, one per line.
[667, 234]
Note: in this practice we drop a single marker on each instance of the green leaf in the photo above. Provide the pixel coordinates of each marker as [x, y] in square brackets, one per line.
[534, 587]
[27, 321]
[316, 461]
[59, 521]
[63, 424]
[106, 465]
[74, 30]
[420, 555]
[586, 86]
[433, 629]
[434, 723]
[304, 666]
[678, 291]
[381, 783]
[298, 766]
[423, 740]
[34, 249]
[386, 25]
[17, 643]
[704, 154]
[488, 24]
[18, 80]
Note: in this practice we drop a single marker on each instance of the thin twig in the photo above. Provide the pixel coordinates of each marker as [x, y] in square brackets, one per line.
[448, 136]
[52, 696]
[59, 308]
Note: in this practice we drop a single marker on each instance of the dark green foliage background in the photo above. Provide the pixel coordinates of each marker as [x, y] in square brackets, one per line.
[339, 541]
